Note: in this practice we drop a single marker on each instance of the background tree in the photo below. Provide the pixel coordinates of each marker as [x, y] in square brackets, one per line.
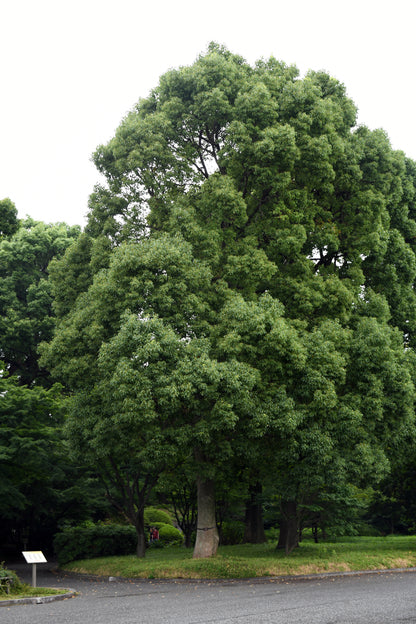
[36, 479]
[9, 223]
[26, 315]
[177, 488]
[29, 419]
[39, 486]
[392, 504]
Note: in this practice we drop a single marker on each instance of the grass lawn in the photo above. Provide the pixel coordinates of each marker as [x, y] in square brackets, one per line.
[255, 560]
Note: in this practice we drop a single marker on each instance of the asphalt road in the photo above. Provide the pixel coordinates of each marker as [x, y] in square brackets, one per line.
[365, 599]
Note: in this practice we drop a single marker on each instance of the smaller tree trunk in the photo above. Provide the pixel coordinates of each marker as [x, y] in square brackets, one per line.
[283, 528]
[254, 528]
[188, 539]
[141, 537]
[289, 527]
[207, 539]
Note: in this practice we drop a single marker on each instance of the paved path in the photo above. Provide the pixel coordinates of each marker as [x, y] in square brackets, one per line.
[366, 599]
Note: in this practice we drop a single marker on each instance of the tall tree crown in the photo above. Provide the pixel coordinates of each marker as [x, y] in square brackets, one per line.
[239, 283]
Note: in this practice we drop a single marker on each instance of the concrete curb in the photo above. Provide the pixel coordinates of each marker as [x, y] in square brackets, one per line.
[328, 575]
[70, 593]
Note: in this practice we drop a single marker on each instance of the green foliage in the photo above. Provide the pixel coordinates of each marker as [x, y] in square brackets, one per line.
[272, 534]
[243, 299]
[90, 540]
[169, 535]
[26, 315]
[30, 446]
[9, 223]
[39, 485]
[13, 584]
[232, 532]
[152, 515]
[392, 508]
[87, 542]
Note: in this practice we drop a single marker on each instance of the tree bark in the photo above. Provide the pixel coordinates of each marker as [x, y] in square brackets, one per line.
[254, 528]
[207, 539]
[188, 539]
[141, 538]
[289, 527]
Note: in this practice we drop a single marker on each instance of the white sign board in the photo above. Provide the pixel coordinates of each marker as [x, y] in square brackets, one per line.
[34, 556]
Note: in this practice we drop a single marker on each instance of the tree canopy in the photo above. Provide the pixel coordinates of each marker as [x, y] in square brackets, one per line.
[26, 315]
[243, 292]
[9, 223]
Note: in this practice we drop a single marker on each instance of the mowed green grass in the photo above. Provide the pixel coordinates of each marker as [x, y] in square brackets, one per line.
[257, 560]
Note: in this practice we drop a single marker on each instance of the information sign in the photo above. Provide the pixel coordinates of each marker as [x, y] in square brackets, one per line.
[34, 556]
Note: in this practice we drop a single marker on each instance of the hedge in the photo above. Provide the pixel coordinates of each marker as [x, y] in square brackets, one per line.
[87, 542]
[103, 540]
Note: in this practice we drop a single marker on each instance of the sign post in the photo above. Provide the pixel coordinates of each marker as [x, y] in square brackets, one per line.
[34, 557]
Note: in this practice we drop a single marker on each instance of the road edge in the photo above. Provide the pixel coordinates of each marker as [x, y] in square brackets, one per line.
[253, 579]
[70, 593]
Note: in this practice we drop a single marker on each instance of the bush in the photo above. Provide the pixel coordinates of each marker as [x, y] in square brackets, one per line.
[14, 585]
[168, 535]
[152, 516]
[87, 542]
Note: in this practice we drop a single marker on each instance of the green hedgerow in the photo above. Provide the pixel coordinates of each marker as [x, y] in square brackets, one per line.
[100, 540]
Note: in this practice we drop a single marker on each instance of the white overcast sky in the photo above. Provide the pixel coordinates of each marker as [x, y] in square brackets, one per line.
[70, 70]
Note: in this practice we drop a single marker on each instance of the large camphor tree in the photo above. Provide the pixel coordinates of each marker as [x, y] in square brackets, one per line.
[231, 270]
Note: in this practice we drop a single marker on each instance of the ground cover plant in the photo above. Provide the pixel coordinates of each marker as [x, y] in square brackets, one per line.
[257, 560]
[14, 588]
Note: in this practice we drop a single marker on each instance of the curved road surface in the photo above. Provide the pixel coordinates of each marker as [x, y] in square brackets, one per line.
[364, 599]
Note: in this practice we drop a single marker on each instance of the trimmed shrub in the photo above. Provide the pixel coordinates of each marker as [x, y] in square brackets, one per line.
[152, 516]
[100, 540]
[170, 536]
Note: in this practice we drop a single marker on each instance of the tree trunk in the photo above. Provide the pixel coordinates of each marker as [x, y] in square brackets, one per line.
[141, 538]
[254, 529]
[188, 537]
[289, 527]
[282, 534]
[207, 539]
